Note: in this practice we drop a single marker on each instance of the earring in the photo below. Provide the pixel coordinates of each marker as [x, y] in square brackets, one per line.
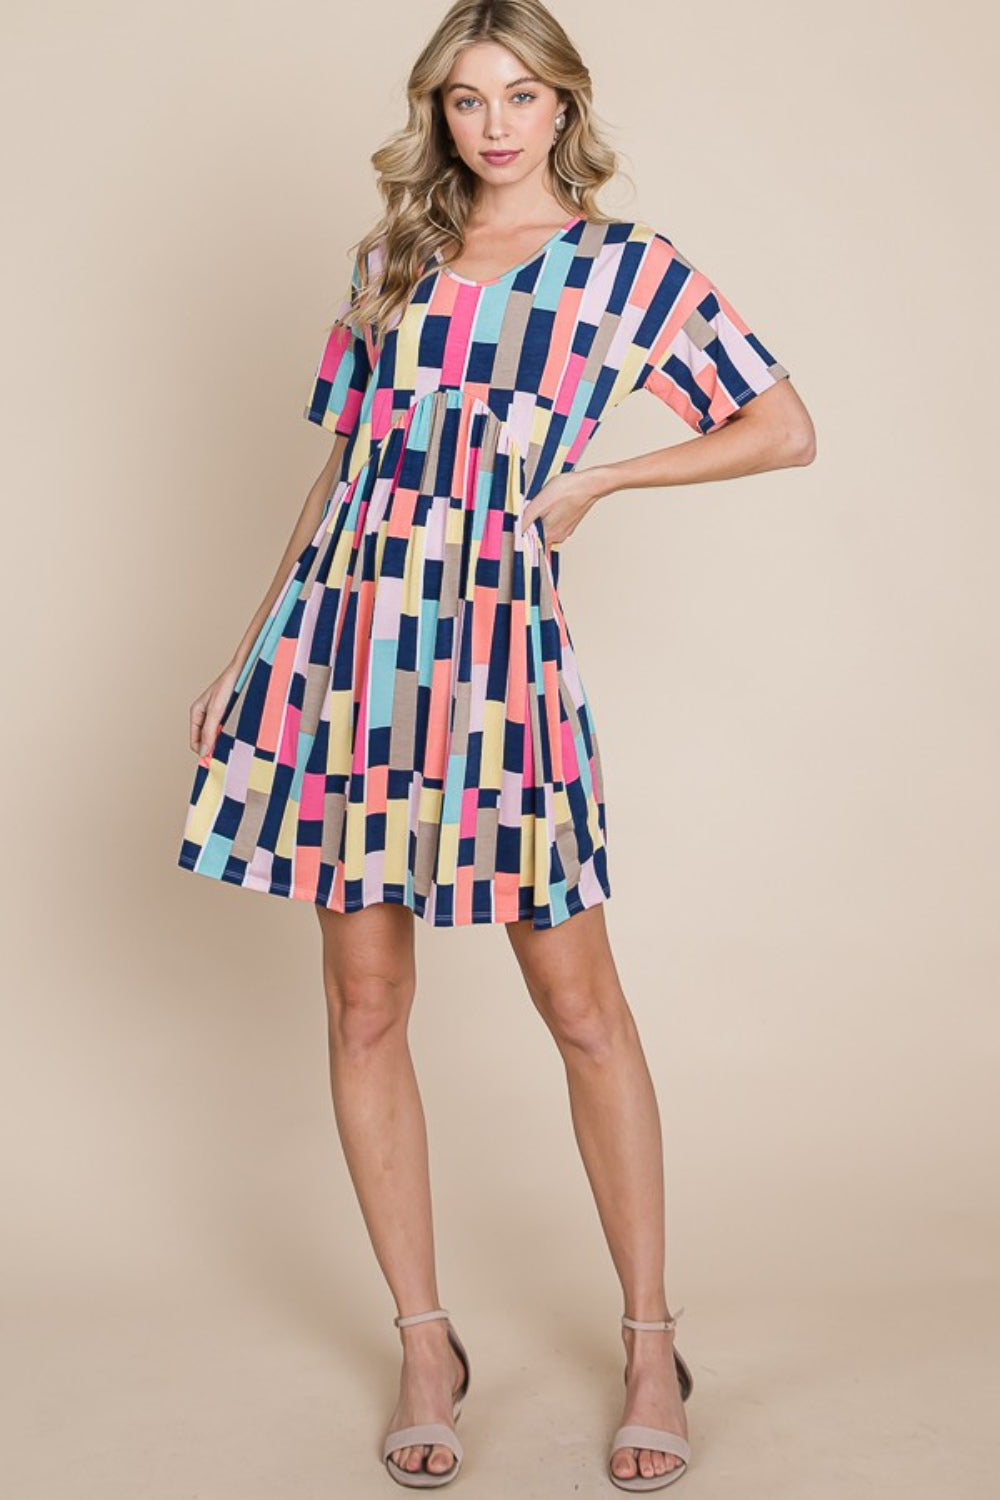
[560, 122]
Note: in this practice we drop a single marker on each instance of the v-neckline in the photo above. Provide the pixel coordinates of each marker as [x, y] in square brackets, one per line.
[493, 280]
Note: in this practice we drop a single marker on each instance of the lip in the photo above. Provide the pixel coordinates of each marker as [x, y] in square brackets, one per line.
[499, 158]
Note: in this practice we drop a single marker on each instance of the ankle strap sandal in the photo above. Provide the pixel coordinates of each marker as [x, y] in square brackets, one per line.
[635, 1435]
[429, 1432]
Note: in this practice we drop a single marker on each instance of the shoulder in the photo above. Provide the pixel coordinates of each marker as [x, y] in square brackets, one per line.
[642, 245]
[635, 232]
[375, 257]
[658, 248]
[663, 269]
[616, 233]
[360, 266]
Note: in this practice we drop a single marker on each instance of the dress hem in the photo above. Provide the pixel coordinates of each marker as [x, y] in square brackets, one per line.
[480, 916]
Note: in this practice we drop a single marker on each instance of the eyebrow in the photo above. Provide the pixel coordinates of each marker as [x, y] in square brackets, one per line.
[528, 78]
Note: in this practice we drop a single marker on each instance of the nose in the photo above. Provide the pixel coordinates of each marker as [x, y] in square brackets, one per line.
[494, 129]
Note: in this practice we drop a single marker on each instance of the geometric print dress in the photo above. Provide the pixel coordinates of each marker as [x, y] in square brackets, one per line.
[411, 724]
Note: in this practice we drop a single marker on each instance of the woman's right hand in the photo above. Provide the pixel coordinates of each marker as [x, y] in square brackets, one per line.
[208, 708]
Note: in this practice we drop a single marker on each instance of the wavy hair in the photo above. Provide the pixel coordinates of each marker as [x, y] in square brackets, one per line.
[427, 188]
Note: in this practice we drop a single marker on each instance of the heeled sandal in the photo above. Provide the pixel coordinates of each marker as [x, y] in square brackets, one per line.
[429, 1432]
[634, 1435]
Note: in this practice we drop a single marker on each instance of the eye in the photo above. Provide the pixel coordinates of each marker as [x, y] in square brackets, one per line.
[467, 100]
[523, 94]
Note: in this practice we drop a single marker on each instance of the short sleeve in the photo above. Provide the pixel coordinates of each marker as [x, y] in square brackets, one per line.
[341, 377]
[699, 355]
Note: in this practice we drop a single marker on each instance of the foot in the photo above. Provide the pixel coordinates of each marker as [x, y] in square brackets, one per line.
[652, 1399]
[430, 1380]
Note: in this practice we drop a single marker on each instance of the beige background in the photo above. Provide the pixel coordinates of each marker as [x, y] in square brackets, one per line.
[804, 905]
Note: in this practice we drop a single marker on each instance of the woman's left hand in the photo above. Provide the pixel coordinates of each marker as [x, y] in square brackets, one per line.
[562, 502]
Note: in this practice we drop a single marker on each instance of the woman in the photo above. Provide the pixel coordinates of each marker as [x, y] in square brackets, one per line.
[403, 730]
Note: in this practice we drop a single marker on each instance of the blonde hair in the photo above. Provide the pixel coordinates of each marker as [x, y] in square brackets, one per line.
[429, 191]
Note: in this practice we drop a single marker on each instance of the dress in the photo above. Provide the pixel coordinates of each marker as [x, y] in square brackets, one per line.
[411, 725]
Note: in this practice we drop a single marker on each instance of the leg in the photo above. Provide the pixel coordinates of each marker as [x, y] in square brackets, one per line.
[369, 975]
[571, 977]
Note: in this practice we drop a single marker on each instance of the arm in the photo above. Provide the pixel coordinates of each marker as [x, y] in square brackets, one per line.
[691, 349]
[302, 533]
[335, 398]
[773, 431]
[207, 709]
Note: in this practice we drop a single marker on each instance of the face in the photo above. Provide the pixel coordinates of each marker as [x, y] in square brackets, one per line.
[501, 118]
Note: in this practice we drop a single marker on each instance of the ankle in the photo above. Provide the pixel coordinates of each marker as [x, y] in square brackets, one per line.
[652, 1310]
[424, 1339]
[648, 1345]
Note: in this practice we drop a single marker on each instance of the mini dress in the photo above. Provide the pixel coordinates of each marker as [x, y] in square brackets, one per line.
[411, 723]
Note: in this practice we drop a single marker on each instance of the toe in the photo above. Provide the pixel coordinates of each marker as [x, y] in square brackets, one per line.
[441, 1459]
[623, 1463]
[653, 1461]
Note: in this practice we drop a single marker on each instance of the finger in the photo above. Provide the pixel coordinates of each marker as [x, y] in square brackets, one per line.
[209, 732]
[197, 720]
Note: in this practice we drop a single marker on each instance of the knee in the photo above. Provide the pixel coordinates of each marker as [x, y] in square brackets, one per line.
[366, 1010]
[586, 1019]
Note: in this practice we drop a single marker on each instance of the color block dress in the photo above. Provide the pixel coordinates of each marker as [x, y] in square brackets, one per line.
[411, 724]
